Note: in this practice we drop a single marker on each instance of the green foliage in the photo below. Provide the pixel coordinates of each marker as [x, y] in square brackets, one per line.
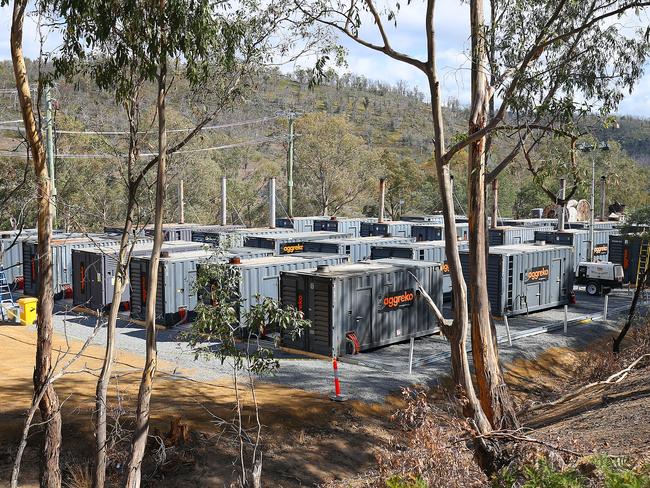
[617, 473]
[218, 331]
[638, 223]
[400, 482]
[543, 475]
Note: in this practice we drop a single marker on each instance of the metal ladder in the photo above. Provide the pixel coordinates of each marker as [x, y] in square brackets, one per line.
[644, 260]
[6, 297]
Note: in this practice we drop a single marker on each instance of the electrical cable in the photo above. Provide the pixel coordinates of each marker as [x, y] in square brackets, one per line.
[209, 127]
[185, 151]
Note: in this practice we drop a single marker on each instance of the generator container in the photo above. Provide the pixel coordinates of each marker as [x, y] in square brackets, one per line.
[62, 246]
[502, 236]
[260, 278]
[360, 306]
[176, 297]
[232, 238]
[598, 225]
[289, 243]
[436, 232]
[528, 222]
[11, 250]
[359, 248]
[347, 225]
[173, 232]
[433, 219]
[626, 251]
[523, 278]
[397, 228]
[299, 224]
[579, 240]
[94, 271]
[431, 251]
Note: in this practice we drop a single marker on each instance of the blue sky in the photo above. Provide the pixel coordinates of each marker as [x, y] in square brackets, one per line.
[452, 43]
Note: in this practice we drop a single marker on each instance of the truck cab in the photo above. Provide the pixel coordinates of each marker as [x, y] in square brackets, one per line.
[599, 278]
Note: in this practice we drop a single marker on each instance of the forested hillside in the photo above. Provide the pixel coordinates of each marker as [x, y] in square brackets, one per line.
[350, 131]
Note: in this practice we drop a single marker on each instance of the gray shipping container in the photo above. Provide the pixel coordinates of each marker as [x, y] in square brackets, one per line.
[525, 278]
[376, 301]
[234, 237]
[173, 232]
[529, 222]
[358, 248]
[347, 225]
[436, 232]
[62, 246]
[597, 225]
[11, 248]
[501, 236]
[395, 228]
[433, 219]
[262, 276]
[432, 251]
[176, 297]
[299, 224]
[289, 243]
[94, 270]
[579, 239]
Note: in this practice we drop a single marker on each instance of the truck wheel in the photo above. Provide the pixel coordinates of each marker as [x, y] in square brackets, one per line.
[593, 288]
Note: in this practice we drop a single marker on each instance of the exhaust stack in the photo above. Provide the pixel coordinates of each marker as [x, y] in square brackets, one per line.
[561, 217]
[181, 202]
[272, 203]
[382, 199]
[224, 213]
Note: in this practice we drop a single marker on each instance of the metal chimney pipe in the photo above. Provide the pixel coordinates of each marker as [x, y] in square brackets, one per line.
[181, 202]
[382, 198]
[561, 217]
[272, 203]
[224, 208]
[603, 184]
[495, 203]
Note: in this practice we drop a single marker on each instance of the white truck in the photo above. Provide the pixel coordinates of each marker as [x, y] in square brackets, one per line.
[599, 278]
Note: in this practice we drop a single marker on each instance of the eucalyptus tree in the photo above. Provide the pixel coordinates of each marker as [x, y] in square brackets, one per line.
[49, 405]
[533, 43]
[122, 45]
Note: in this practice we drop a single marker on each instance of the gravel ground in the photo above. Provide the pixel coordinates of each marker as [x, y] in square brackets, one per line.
[372, 375]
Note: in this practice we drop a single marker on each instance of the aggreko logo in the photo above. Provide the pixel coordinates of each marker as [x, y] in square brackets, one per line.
[291, 248]
[600, 249]
[399, 299]
[540, 273]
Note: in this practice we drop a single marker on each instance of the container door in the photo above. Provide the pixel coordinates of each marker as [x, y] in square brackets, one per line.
[556, 281]
[533, 295]
[362, 317]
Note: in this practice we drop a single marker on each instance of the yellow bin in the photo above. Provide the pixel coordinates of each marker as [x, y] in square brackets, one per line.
[27, 307]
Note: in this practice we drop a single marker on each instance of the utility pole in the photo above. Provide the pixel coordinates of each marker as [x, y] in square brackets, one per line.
[224, 211]
[591, 214]
[49, 149]
[603, 184]
[292, 117]
[561, 218]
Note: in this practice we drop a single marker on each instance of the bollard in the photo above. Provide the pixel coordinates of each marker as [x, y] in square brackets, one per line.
[505, 322]
[605, 307]
[411, 355]
[337, 397]
[566, 318]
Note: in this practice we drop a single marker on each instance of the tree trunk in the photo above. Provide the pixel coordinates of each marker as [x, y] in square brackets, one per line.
[107, 367]
[493, 392]
[139, 442]
[121, 278]
[50, 472]
[628, 323]
[457, 336]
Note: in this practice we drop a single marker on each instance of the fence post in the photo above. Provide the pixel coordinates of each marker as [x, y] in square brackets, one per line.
[505, 322]
[605, 307]
[411, 355]
[566, 318]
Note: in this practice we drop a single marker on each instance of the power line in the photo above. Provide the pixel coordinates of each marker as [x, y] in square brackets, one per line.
[209, 127]
[147, 155]
[11, 121]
